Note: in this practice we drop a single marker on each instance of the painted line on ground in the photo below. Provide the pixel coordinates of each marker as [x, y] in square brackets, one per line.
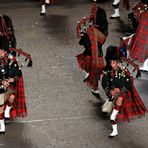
[54, 119]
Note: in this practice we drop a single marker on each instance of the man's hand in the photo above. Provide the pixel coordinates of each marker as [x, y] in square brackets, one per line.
[114, 91]
[5, 83]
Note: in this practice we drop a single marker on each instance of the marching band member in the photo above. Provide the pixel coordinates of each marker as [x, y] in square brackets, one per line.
[118, 85]
[12, 94]
[92, 38]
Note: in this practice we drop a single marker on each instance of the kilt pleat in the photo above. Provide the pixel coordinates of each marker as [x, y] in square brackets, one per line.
[19, 108]
[84, 62]
[132, 106]
[139, 49]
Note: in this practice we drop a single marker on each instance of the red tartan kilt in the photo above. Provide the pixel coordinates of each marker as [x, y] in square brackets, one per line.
[101, 65]
[19, 108]
[139, 49]
[84, 63]
[132, 106]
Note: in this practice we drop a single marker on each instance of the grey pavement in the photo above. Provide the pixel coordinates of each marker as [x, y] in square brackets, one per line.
[62, 111]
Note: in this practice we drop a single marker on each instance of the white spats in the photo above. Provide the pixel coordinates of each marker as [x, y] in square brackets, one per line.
[114, 126]
[115, 131]
[114, 114]
[116, 14]
[43, 10]
[7, 111]
[145, 66]
[95, 91]
[47, 1]
[2, 126]
[116, 2]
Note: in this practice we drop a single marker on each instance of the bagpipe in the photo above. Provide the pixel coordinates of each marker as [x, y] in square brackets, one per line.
[130, 61]
[10, 67]
[25, 54]
[84, 25]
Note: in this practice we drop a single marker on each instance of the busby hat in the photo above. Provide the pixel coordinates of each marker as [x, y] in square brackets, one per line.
[112, 53]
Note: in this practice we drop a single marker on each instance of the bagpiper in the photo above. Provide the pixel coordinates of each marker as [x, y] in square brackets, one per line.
[92, 31]
[118, 85]
[12, 94]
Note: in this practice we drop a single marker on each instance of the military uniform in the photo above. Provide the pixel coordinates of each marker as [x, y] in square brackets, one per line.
[131, 103]
[113, 79]
[9, 69]
[12, 94]
[92, 38]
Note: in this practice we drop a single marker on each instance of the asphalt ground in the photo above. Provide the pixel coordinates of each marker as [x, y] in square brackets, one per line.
[62, 111]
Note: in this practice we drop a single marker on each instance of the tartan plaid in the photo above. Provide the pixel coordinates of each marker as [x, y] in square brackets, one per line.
[127, 43]
[138, 9]
[94, 11]
[51, 1]
[139, 48]
[84, 62]
[132, 106]
[19, 108]
[94, 73]
[93, 64]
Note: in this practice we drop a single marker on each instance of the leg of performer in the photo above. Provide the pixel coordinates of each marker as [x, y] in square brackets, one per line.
[113, 122]
[116, 9]
[2, 123]
[145, 66]
[95, 91]
[114, 115]
[47, 2]
[9, 105]
[43, 7]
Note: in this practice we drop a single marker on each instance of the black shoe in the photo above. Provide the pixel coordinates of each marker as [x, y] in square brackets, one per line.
[112, 136]
[47, 4]
[97, 95]
[42, 14]
[117, 17]
[2, 133]
[7, 119]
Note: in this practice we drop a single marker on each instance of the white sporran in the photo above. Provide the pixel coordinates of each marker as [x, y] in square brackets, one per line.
[107, 106]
